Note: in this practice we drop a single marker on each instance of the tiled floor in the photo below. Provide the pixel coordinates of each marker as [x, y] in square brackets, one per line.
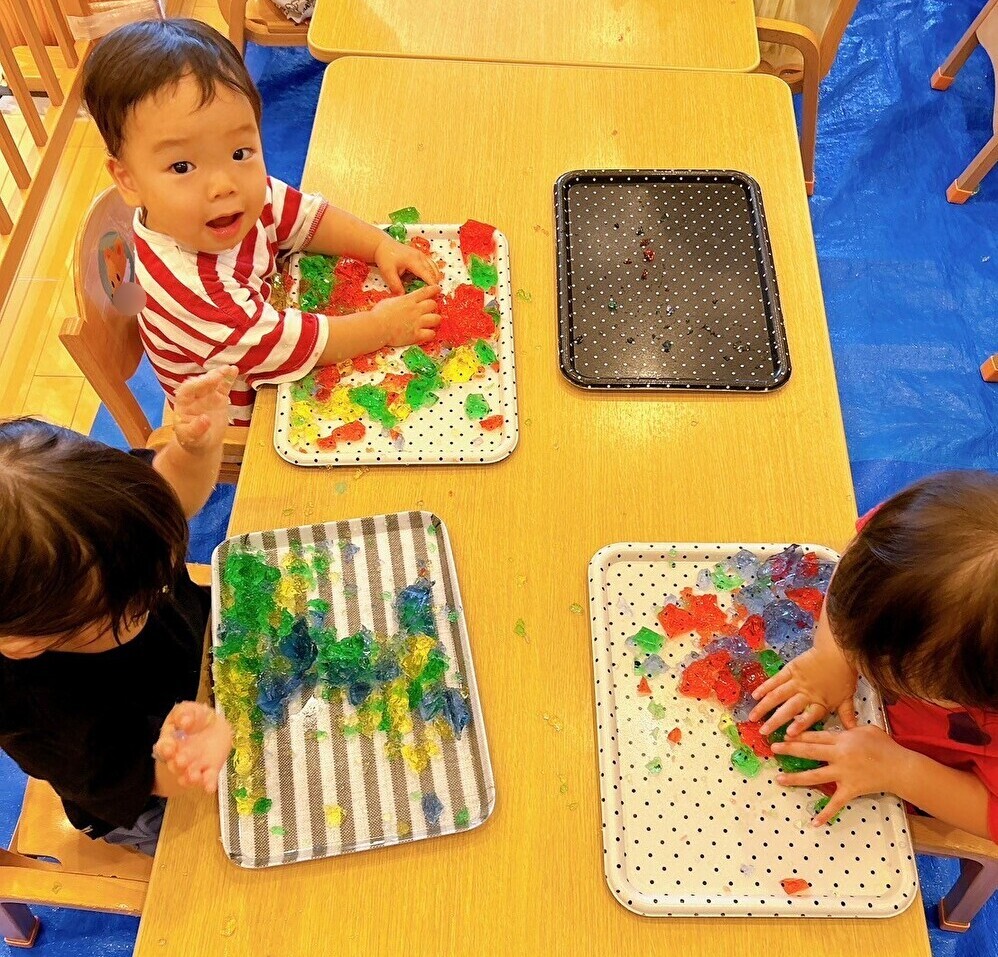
[37, 375]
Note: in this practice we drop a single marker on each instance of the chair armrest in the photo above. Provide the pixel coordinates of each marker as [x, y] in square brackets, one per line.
[794, 35]
[932, 836]
[200, 574]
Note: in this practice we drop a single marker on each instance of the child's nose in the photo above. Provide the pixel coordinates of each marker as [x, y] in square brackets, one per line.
[222, 186]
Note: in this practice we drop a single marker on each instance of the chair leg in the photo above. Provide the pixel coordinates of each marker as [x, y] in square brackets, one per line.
[18, 925]
[989, 370]
[809, 125]
[943, 78]
[966, 184]
[977, 882]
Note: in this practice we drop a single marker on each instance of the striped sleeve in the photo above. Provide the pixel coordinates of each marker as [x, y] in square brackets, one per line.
[296, 216]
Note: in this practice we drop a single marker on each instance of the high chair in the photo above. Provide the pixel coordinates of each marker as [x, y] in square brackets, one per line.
[261, 22]
[51, 863]
[104, 342]
[978, 868]
[798, 41]
[982, 32]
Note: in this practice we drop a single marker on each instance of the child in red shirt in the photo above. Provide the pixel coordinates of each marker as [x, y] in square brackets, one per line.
[913, 606]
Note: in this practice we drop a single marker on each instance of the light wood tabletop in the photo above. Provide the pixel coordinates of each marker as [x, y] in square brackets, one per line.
[680, 34]
[590, 469]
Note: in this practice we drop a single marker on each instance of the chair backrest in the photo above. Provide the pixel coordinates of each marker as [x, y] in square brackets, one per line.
[103, 338]
[826, 19]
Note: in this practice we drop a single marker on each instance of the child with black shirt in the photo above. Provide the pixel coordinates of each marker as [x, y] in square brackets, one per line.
[101, 628]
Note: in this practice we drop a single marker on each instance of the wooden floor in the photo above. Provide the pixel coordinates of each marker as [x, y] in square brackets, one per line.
[37, 375]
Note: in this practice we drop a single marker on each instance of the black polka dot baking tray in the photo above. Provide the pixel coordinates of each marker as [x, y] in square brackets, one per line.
[666, 281]
[685, 834]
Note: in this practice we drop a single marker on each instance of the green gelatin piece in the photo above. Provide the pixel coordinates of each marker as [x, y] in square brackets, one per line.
[650, 642]
[724, 581]
[494, 313]
[262, 806]
[476, 407]
[462, 818]
[318, 604]
[654, 766]
[277, 831]
[374, 400]
[656, 710]
[771, 662]
[419, 392]
[419, 362]
[413, 284]
[731, 731]
[398, 232]
[791, 765]
[483, 274]
[316, 282]
[486, 354]
[408, 214]
[820, 806]
[240, 793]
[745, 761]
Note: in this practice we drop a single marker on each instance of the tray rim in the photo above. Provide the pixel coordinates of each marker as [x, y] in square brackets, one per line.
[503, 452]
[606, 735]
[769, 282]
[470, 675]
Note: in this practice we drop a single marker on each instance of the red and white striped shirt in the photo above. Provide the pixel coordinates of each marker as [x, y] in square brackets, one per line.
[206, 310]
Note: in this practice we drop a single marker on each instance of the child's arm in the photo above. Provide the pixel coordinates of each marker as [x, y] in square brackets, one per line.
[341, 234]
[867, 761]
[808, 688]
[191, 461]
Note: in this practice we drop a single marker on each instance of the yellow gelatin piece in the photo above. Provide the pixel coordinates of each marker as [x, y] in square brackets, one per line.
[369, 722]
[404, 828]
[416, 757]
[341, 407]
[400, 409]
[291, 591]
[242, 762]
[414, 660]
[725, 723]
[442, 728]
[461, 365]
[335, 815]
[244, 805]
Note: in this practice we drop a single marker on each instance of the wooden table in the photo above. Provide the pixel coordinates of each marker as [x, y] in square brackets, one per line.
[589, 470]
[679, 34]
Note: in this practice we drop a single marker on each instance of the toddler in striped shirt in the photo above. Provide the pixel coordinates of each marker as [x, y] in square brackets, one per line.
[180, 117]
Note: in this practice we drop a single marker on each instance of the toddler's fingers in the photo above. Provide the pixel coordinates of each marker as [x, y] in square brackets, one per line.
[809, 717]
[430, 321]
[847, 714]
[806, 779]
[788, 710]
[425, 335]
[771, 684]
[391, 276]
[165, 748]
[427, 292]
[834, 805]
[426, 269]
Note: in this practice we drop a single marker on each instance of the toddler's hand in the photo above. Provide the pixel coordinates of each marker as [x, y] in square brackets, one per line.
[194, 744]
[806, 690]
[860, 761]
[409, 319]
[394, 259]
[201, 409]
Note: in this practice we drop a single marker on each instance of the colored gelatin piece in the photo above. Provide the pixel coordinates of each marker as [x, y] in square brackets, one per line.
[729, 729]
[810, 565]
[463, 318]
[483, 274]
[771, 662]
[646, 640]
[420, 392]
[750, 734]
[350, 432]
[809, 599]
[412, 285]
[753, 630]
[421, 244]
[820, 806]
[725, 580]
[398, 232]
[745, 761]
[727, 690]
[418, 362]
[709, 618]
[432, 808]
[493, 423]
[654, 766]
[652, 666]
[656, 710]
[476, 407]
[395, 384]
[407, 215]
[486, 354]
[477, 239]
[326, 377]
[644, 689]
[793, 886]
[365, 363]
[374, 401]
[462, 818]
[262, 806]
[461, 365]
[676, 621]
[751, 676]
[675, 736]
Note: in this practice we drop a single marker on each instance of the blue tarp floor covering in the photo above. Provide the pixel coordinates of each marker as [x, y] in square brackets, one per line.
[909, 286]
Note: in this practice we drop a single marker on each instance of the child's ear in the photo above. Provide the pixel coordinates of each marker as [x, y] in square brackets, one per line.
[125, 182]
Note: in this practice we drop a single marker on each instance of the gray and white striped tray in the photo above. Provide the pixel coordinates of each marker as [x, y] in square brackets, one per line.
[321, 791]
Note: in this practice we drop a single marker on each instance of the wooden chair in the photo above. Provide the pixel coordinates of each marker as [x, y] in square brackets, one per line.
[104, 342]
[51, 863]
[798, 41]
[978, 868]
[982, 32]
[261, 22]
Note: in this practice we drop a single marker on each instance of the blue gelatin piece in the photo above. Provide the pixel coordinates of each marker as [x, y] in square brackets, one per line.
[755, 598]
[432, 808]
[456, 710]
[653, 666]
[358, 693]
[785, 621]
[414, 607]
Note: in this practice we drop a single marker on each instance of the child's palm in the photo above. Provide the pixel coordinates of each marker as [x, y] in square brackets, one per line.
[201, 409]
[194, 744]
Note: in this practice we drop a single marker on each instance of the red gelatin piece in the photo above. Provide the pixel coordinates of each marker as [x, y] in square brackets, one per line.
[751, 677]
[365, 363]
[675, 735]
[794, 885]
[727, 690]
[828, 789]
[420, 243]
[709, 619]
[748, 731]
[810, 599]
[463, 318]
[700, 677]
[477, 239]
[351, 432]
[644, 688]
[326, 376]
[351, 270]
[754, 632]
[396, 384]
[322, 394]
[676, 621]
[492, 423]
[809, 565]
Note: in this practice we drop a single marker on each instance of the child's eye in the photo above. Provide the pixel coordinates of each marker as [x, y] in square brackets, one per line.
[241, 154]
[182, 167]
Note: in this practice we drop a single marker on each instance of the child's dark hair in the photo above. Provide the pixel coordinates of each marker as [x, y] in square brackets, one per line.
[139, 59]
[914, 601]
[87, 533]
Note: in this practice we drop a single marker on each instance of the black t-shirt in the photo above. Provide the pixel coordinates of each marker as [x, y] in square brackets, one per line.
[86, 723]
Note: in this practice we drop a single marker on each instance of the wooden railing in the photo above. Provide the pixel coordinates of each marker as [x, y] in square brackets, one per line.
[38, 55]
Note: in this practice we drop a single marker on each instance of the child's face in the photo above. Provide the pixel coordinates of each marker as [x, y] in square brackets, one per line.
[196, 170]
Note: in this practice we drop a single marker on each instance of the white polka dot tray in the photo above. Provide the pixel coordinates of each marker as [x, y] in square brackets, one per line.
[694, 823]
[666, 281]
[471, 417]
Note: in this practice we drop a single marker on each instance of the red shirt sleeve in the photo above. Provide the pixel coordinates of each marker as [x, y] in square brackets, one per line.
[864, 520]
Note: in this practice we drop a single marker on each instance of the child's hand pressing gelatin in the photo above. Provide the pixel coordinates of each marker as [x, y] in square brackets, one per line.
[409, 319]
[394, 259]
[201, 409]
[194, 744]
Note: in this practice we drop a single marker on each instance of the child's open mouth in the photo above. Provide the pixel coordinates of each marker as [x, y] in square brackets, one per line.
[225, 226]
